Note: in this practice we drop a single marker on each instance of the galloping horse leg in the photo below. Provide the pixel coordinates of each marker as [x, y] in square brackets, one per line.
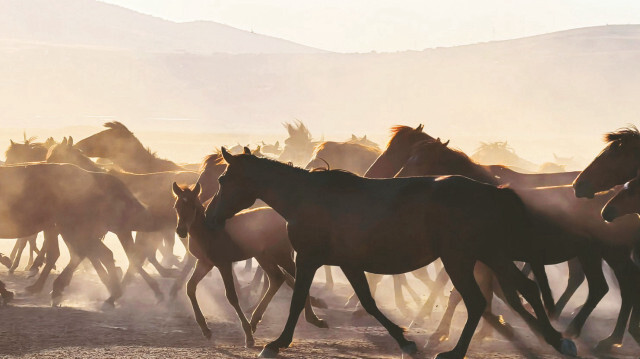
[248, 265]
[305, 270]
[626, 273]
[179, 281]
[275, 278]
[461, 272]
[51, 247]
[598, 288]
[441, 280]
[543, 283]
[33, 248]
[576, 277]
[399, 281]
[373, 280]
[135, 264]
[444, 328]
[16, 253]
[148, 243]
[63, 280]
[511, 280]
[168, 258]
[226, 271]
[289, 270]
[634, 324]
[202, 268]
[104, 257]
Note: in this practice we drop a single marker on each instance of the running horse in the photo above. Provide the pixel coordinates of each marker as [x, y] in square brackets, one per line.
[390, 226]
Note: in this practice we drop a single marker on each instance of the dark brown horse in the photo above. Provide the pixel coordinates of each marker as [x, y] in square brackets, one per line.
[390, 226]
[81, 206]
[626, 201]
[561, 221]
[258, 233]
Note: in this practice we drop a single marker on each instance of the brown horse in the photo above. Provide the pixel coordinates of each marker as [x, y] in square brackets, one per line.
[150, 189]
[81, 206]
[390, 226]
[258, 233]
[618, 162]
[363, 141]
[561, 221]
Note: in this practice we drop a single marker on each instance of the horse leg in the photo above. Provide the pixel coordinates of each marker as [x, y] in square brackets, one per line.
[512, 279]
[16, 253]
[441, 280]
[179, 281]
[623, 270]
[226, 271]
[275, 278]
[444, 328]
[248, 265]
[168, 258]
[305, 270]
[148, 243]
[289, 270]
[543, 283]
[598, 288]
[63, 280]
[634, 324]
[135, 264]
[359, 283]
[399, 281]
[576, 277]
[33, 248]
[461, 272]
[328, 278]
[52, 249]
[103, 256]
[202, 268]
[484, 278]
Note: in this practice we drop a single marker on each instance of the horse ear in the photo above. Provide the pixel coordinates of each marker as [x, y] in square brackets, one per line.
[226, 155]
[247, 151]
[353, 137]
[70, 143]
[12, 143]
[438, 140]
[364, 137]
[176, 189]
[197, 189]
[64, 141]
[420, 127]
[446, 143]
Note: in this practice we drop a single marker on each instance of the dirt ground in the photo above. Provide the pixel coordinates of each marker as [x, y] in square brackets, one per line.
[141, 328]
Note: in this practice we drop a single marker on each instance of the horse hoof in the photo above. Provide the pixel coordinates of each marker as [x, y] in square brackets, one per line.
[56, 300]
[448, 355]
[320, 323]
[249, 343]
[319, 303]
[268, 353]
[568, 347]
[108, 306]
[436, 339]
[207, 333]
[605, 345]
[7, 297]
[410, 348]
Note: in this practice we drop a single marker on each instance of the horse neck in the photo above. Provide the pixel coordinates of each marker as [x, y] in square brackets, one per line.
[283, 189]
[475, 171]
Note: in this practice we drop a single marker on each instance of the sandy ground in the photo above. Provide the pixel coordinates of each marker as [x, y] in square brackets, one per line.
[141, 328]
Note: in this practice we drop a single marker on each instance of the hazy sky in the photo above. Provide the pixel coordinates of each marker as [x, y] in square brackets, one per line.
[393, 25]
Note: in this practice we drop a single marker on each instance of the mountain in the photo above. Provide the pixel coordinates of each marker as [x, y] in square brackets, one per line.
[556, 92]
[96, 24]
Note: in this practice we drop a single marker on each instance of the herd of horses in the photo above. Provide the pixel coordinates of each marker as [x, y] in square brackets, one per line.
[369, 211]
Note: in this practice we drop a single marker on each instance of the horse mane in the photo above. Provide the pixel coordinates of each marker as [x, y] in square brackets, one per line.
[332, 144]
[401, 130]
[623, 134]
[213, 159]
[118, 126]
[298, 129]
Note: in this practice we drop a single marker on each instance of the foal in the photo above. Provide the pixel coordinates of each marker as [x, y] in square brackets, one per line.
[259, 233]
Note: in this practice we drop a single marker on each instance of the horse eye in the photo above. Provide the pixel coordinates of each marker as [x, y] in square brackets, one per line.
[626, 186]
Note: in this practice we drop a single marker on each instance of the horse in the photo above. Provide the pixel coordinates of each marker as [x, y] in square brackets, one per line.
[561, 221]
[273, 150]
[258, 233]
[616, 164]
[79, 205]
[150, 189]
[501, 153]
[390, 226]
[626, 201]
[118, 144]
[299, 146]
[27, 151]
